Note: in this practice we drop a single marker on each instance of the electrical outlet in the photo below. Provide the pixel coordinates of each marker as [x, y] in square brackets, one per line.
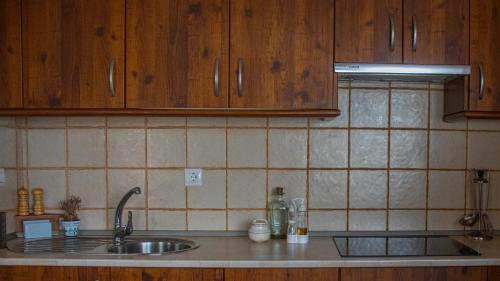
[2, 177]
[193, 177]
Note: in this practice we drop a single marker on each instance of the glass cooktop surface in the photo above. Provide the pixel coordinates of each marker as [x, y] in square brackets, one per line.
[400, 246]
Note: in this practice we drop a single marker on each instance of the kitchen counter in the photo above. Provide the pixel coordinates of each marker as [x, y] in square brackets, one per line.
[238, 252]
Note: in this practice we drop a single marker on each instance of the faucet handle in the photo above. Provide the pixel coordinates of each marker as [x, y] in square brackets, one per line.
[130, 226]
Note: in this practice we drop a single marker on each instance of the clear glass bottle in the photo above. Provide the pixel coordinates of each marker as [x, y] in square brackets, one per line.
[278, 215]
[301, 221]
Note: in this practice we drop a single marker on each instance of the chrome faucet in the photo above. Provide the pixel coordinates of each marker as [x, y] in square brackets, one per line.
[120, 231]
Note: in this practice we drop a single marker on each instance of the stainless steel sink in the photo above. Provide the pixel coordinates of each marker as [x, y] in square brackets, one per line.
[155, 247]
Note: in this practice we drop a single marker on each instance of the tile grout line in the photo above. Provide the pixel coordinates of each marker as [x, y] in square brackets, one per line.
[106, 168]
[348, 187]
[308, 147]
[226, 174]
[146, 174]
[267, 171]
[426, 226]
[388, 175]
[186, 193]
[66, 158]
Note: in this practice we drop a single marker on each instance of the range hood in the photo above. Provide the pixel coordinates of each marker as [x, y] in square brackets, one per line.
[400, 72]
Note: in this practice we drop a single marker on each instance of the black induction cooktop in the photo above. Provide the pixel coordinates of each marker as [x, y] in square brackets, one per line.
[400, 246]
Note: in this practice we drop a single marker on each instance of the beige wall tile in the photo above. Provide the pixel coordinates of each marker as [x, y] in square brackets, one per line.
[484, 150]
[246, 189]
[166, 189]
[328, 189]
[212, 194]
[86, 121]
[410, 85]
[406, 220]
[126, 122]
[409, 109]
[247, 122]
[369, 108]
[46, 122]
[246, 148]
[206, 220]
[447, 150]
[126, 148]
[369, 149]
[206, 121]
[46, 148]
[8, 192]
[328, 220]
[367, 220]
[241, 220]
[294, 183]
[287, 148]
[54, 184]
[282, 122]
[138, 218]
[11, 222]
[449, 185]
[93, 219]
[484, 124]
[166, 147]
[120, 182]
[86, 148]
[369, 84]
[407, 189]
[437, 109]
[167, 220]
[368, 189]
[206, 148]
[494, 189]
[7, 121]
[90, 185]
[336, 122]
[166, 121]
[444, 220]
[408, 149]
[7, 147]
[328, 149]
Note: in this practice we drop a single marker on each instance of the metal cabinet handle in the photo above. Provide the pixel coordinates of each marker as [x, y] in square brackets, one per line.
[414, 32]
[111, 77]
[240, 77]
[392, 33]
[216, 77]
[481, 81]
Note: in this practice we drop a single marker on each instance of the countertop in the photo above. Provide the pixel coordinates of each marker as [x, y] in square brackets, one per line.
[238, 252]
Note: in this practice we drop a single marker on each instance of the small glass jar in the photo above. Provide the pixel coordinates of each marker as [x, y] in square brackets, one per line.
[259, 230]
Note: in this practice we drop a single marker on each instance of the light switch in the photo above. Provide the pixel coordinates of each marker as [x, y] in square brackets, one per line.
[2, 177]
[193, 177]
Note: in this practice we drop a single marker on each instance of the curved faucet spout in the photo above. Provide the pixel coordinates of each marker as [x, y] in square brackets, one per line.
[120, 231]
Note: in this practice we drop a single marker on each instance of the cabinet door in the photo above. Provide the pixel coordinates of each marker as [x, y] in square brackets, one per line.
[69, 47]
[494, 273]
[415, 274]
[281, 54]
[436, 32]
[160, 274]
[281, 274]
[368, 31]
[485, 44]
[52, 273]
[177, 53]
[10, 54]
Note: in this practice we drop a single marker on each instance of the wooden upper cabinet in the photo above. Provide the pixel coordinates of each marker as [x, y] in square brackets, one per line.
[436, 31]
[69, 47]
[368, 31]
[485, 54]
[10, 54]
[282, 54]
[177, 53]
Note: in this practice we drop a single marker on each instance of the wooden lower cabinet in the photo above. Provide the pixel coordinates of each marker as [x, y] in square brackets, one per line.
[282, 274]
[415, 274]
[494, 273]
[166, 274]
[53, 273]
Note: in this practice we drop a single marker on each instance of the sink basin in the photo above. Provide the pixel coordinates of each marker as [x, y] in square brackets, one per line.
[154, 247]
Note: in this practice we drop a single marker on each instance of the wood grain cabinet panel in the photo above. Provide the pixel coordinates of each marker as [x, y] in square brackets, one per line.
[10, 54]
[282, 54]
[282, 274]
[171, 274]
[368, 31]
[494, 273]
[485, 52]
[175, 50]
[442, 31]
[50, 273]
[415, 274]
[68, 49]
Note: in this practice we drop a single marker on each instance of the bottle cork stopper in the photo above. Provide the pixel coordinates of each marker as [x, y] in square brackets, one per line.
[280, 190]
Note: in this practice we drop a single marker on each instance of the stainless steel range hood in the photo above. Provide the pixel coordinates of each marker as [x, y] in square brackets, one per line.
[400, 72]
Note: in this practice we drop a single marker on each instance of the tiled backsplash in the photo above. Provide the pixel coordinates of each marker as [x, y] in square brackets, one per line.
[387, 163]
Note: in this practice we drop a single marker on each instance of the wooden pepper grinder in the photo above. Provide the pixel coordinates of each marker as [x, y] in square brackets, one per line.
[38, 207]
[23, 208]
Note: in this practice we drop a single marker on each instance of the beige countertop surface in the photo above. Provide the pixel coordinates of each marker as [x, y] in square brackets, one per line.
[239, 252]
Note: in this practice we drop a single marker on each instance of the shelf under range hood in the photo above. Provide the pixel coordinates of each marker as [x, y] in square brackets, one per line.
[400, 72]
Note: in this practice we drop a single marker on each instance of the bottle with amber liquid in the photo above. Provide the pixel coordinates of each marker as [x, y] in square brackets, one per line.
[278, 215]
[302, 227]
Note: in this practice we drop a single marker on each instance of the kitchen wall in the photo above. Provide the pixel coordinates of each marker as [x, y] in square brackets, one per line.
[387, 163]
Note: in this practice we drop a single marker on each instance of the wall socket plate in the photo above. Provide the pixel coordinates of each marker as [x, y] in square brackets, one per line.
[193, 177]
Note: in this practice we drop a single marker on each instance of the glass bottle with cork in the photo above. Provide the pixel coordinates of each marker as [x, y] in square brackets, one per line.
[278, 214]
